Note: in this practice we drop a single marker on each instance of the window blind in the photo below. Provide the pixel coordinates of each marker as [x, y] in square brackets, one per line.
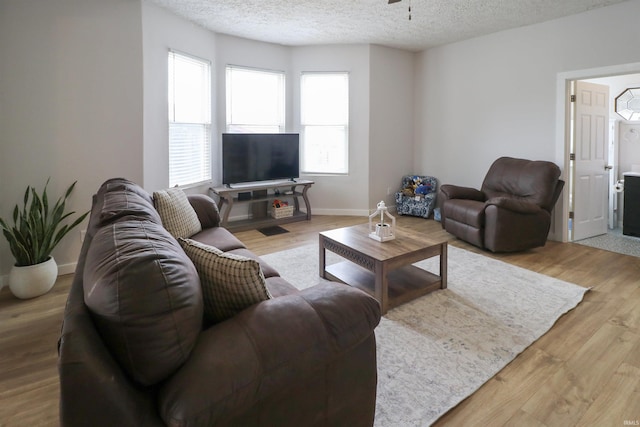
[255, 100]
[189, 119]
[324, 122]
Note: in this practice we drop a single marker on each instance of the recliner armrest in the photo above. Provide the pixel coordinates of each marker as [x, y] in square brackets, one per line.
[267, 348]
[458, 192]
[514, 205]
[206, 209]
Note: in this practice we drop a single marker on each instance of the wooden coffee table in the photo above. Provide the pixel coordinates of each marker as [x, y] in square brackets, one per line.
[384, 269]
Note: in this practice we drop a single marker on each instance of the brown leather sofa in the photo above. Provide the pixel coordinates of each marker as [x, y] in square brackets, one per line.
[511, 211]
[301, 358]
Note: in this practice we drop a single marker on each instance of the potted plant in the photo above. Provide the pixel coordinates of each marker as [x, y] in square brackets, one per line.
[37, 229]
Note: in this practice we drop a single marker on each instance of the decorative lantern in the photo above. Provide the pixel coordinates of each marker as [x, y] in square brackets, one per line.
[385, 228]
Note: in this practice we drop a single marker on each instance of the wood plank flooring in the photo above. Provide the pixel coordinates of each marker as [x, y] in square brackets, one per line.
[584, 372]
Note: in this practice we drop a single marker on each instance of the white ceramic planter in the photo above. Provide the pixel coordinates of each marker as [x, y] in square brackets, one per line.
[33, 280]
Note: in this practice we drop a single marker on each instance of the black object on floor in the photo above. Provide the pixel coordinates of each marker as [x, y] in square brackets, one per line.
[272, 231]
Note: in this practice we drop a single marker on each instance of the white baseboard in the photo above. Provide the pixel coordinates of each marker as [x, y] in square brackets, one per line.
[349, 212]
[345, 212]
[67, 268]
[334, 212]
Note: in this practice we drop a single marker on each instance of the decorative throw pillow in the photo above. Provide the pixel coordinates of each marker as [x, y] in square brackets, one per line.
[177, 214]
[230, 282]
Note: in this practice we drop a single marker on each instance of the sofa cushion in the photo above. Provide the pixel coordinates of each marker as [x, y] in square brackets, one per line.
[178, 216]
[119, 198]
[230, 282]
[144, 295]
[219, 237]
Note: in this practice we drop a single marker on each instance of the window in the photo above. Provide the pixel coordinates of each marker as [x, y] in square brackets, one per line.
[324, 122]
[255, 100]
[189, 119]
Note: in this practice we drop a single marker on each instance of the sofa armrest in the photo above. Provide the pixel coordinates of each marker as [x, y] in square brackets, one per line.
[268, 348]
[456, 192]
[206, 209]
[92, 384]
[514, 205]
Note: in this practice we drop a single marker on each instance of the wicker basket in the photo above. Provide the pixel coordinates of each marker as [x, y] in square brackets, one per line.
[282, 212]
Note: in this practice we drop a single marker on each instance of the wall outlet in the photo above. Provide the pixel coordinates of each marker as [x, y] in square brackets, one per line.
[82, 234]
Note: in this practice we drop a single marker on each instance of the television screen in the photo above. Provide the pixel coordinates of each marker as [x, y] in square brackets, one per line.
[252, 157]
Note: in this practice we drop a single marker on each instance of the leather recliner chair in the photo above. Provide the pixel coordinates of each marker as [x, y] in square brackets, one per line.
[511, 211]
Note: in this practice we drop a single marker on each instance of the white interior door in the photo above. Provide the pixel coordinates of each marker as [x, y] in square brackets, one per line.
[591, 179]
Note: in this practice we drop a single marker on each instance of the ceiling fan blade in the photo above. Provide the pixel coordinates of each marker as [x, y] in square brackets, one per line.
[394, 1]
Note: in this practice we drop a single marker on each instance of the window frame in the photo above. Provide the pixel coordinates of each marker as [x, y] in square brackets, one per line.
[280, 108]
[305, 125]
[177, 122]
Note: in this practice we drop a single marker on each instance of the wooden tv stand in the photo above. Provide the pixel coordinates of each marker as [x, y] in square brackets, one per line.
[259, 197]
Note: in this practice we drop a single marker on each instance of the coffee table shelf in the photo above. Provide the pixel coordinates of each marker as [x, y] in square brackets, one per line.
[404, 284]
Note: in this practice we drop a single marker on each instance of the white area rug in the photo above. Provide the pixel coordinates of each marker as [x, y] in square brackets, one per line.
[437, 350]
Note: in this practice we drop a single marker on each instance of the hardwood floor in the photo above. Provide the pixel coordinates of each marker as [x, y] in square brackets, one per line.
[584, 372]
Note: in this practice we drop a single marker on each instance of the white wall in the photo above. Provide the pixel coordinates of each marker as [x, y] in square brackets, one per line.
[70, 103]
[390, 122]
[496, 95]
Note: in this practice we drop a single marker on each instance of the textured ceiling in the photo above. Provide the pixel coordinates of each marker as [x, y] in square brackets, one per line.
[433, 22]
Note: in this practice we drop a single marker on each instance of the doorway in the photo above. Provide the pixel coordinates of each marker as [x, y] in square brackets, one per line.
[584, 222]
[560, 224]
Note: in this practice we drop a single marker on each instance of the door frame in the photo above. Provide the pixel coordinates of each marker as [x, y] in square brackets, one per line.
[560, 221]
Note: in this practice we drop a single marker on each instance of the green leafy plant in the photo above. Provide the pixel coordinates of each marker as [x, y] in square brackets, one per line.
[37, 229]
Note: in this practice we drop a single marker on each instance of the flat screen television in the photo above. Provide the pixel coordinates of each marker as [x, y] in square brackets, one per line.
[254, 157]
